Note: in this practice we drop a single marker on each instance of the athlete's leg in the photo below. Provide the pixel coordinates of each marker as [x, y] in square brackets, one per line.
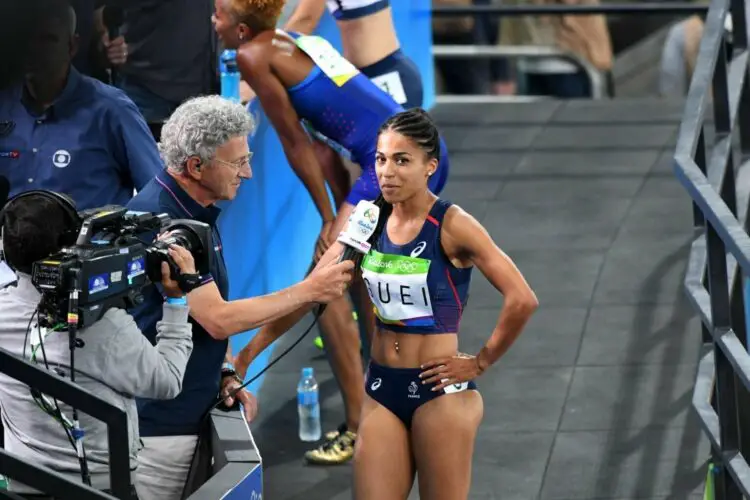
[334, 171]
[341, 337]
[443, 432]
[383, 463]
[366, 314]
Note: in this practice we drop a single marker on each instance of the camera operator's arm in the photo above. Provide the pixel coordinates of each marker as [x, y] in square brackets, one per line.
[223, 319]
[134, 366]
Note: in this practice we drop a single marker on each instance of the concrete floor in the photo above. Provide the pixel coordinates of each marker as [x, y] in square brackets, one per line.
[593, 400]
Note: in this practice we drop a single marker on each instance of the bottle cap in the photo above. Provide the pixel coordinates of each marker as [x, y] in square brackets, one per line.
[307, 372]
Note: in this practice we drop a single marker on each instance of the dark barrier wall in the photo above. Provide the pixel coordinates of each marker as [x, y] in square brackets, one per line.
[268, 232]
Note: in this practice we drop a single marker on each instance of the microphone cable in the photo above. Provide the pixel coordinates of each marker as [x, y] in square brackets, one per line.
[278, 358]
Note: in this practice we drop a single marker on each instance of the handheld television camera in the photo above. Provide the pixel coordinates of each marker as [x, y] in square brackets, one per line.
[114, 256]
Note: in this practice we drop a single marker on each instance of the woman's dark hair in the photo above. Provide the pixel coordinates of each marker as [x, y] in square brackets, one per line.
[418, 126]
[33, 230]
[385, 211]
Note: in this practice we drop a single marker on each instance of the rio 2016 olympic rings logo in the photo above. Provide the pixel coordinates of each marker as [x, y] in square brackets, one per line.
[371, 216]
[404, 266]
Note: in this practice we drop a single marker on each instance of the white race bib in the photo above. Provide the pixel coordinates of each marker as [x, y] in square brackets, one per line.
[327, 59]
[397, 286]
[391, 84]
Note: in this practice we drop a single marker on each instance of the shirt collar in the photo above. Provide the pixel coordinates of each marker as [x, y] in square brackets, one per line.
[65, 97]
[185, 202]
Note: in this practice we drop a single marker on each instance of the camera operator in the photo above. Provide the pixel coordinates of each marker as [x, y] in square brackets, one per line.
[114, 361]
[205, 149]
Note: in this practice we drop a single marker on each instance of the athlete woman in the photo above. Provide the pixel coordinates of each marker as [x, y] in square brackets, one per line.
[303, 77]
[422, 408]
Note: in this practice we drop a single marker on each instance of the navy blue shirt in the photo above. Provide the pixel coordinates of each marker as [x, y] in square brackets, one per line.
[91, 144]
[200, 387]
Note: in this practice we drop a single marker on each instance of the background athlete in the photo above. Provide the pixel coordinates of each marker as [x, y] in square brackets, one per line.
[370, 42]
[422, 409]
[302, 77]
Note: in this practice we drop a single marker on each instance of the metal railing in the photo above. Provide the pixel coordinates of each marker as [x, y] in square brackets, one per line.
[650, 8]
[597, 81]
[720, 256]
[43, 478]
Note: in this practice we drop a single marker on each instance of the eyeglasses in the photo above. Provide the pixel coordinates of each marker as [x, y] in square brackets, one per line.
[237, 164]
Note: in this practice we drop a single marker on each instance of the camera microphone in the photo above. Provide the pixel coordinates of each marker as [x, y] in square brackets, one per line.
[361, 226]
[113, 17]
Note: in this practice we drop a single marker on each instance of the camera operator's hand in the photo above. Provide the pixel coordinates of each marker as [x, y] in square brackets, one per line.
[184, 261]
[247, 400]
[171, 288]
[329, 280]
[182, 258]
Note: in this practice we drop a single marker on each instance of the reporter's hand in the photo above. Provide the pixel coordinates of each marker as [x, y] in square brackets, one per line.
[329, 282]
[247, 400]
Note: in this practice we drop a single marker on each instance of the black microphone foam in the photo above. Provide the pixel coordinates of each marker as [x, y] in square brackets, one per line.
[113, 17]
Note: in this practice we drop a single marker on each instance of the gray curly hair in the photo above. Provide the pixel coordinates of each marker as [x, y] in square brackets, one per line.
[199, 126]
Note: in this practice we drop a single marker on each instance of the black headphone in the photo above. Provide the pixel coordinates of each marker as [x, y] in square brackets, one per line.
[65, 202]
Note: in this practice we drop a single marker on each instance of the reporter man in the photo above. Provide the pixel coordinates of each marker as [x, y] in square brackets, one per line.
[116, 362]
[204, 147]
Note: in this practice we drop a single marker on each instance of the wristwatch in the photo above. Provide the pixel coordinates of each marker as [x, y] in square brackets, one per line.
[227, 370]
[189, 282]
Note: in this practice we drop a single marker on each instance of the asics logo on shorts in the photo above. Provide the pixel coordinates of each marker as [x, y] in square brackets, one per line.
[376, 384]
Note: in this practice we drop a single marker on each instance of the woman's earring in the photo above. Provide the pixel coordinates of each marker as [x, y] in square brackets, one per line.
[241, 37]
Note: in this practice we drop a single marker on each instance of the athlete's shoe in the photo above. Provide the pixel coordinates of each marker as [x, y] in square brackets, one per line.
[338, 448]
[318, 341]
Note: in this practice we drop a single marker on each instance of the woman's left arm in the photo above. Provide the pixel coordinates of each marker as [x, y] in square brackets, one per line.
[466, 241]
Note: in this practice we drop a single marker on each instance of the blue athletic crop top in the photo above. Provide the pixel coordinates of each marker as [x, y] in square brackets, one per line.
[354, 9]
[414, 287]
[339, 101]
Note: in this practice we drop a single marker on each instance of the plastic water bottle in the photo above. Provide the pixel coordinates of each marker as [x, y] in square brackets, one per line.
[230, 75]
[308, 406]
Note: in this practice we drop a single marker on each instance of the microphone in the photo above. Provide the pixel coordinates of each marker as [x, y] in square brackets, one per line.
[113, 17]
[362, 223]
